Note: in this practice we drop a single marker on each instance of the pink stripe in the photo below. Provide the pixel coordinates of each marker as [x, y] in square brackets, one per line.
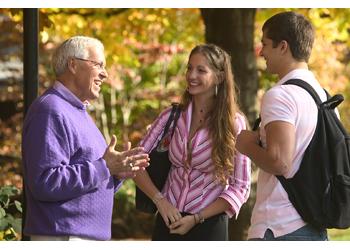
[174, 159]
[192, 195]
[172, 196]
[146, 143]
[196, 138]
[194, 177]
[178, 147]
[207, 194]
[200, 159]
[201, 151]
[187, 121]
[205, 164]
[177, 182]
[182, 128]
[174, 190]
[244, 164]
[208, 184]
[194, 205]
[204, 136]
[175, 152]
[231, 201]
[195, 187]
[237, 193]
[183, 193]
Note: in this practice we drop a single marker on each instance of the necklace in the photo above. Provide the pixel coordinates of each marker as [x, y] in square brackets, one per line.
[201, 119]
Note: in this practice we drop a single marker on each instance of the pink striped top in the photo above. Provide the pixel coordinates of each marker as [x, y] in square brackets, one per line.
[193, 188]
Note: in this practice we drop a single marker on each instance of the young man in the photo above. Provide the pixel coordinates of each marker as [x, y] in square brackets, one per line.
[288, 122]
[69, 171]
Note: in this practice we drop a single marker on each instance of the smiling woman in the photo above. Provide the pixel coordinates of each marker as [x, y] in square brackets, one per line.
[208, 180]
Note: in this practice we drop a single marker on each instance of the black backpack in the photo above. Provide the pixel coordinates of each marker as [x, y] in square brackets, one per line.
[320, 189]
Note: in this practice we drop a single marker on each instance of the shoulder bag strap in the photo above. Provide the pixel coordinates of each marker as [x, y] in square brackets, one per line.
[177, 115]
[170, 120]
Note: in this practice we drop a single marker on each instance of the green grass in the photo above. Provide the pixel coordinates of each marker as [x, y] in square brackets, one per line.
[337, 234]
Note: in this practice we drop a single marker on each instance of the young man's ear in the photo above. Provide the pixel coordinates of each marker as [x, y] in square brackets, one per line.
[284, 46]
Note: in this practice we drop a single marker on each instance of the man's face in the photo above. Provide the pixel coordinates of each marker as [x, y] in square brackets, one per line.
[90, 75]
[270, 54]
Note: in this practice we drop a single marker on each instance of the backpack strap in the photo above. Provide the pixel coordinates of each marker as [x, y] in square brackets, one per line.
[302, 84]
[332, 101]
[307, 87]
[257, 123]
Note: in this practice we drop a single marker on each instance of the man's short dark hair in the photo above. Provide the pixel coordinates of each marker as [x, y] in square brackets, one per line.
[293, 28]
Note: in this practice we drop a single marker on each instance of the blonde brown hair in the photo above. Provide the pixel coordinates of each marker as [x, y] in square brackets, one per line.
[221, 119]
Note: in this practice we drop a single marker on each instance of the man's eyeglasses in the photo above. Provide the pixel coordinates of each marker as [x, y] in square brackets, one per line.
[98, 65]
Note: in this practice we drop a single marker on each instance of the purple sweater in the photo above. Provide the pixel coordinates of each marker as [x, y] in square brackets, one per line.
[69, 188]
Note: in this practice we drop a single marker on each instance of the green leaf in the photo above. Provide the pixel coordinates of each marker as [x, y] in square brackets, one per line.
[8, 190]
[18, 206]
[14, 222]
[2, 213]
[4, 200]
[17, 225]
[9, 218]
[3, 224]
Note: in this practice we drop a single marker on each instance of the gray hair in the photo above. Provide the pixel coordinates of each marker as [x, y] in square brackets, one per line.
[76, 46]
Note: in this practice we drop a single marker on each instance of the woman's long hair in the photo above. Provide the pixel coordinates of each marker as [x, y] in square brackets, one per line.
[221, 117]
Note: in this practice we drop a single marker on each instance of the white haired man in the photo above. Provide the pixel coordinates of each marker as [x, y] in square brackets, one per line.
[70, 172]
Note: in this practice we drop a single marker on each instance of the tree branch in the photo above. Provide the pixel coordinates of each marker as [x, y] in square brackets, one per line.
[93, 12]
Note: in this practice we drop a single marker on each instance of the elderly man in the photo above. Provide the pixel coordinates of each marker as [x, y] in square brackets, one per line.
[70, 173]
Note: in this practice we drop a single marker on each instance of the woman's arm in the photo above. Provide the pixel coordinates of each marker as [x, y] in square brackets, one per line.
[169, 213]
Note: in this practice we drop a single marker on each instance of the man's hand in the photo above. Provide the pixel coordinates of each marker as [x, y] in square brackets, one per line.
[125, 164]
[245, 140]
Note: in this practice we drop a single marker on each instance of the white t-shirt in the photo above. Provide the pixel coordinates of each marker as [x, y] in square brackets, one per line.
[292, 104]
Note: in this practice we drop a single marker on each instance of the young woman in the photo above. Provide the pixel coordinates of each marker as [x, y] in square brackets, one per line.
[209, 180]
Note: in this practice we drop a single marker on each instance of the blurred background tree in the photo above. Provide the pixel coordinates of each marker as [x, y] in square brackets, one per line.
[146, 52]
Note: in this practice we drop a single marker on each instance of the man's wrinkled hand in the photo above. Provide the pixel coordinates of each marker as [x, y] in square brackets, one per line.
[125, 164]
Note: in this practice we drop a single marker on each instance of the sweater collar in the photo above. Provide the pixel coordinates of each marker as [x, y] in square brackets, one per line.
[69, 96]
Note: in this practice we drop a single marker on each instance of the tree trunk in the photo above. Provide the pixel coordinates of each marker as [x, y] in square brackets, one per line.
[233, 30]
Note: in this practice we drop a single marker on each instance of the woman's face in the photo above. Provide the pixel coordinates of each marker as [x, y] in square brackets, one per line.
[200, 77]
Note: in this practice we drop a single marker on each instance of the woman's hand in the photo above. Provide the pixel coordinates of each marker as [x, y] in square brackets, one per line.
[183, 225]
[169, 213]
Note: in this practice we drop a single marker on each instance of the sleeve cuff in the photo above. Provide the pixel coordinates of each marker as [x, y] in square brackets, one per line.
[234, 206]
[101, 169]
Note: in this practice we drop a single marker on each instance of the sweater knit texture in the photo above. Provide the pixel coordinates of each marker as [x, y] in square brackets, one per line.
[69, 189]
